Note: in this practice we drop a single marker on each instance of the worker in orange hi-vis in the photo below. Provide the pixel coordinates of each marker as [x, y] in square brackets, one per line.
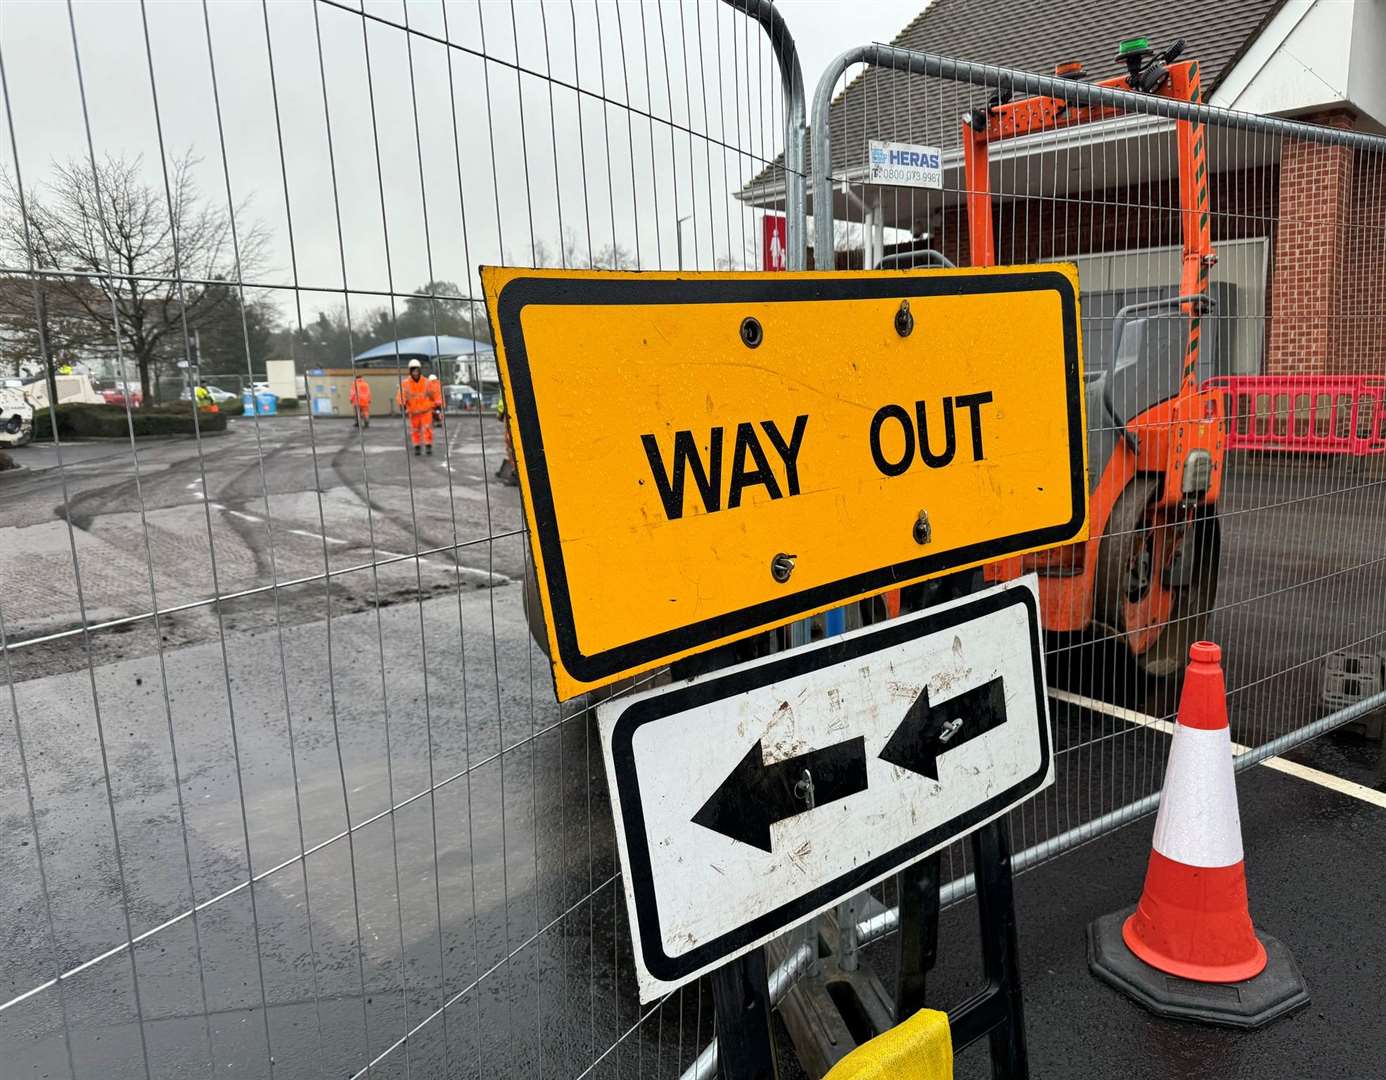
[438, 411]
[418, 397]
[361, 401]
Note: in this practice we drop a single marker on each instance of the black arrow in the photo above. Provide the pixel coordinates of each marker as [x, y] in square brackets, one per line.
[756, 795]
[928, 731]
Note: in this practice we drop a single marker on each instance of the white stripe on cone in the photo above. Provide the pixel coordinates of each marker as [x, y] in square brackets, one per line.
[1198, 823]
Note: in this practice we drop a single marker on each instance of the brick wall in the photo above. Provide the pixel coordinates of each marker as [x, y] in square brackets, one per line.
[1361, 342]
[1307, 257]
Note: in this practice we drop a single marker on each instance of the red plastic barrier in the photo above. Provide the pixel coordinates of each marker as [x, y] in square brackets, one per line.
[1312, 414]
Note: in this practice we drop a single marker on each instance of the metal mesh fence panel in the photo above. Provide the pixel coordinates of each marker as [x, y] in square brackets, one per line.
[286, 790]
[1232, 270]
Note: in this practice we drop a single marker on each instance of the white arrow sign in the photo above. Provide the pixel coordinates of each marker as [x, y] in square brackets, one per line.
[755, 797]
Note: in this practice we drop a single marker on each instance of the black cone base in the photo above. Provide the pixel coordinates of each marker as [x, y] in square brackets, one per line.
[1278, 990]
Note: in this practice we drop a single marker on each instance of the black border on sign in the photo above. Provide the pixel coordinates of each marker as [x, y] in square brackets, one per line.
[520, 293]
[672, 968]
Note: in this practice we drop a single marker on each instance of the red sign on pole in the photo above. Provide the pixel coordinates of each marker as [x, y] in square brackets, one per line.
[772, 246]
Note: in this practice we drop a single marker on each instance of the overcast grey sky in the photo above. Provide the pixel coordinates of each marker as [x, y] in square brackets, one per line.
[496, 157]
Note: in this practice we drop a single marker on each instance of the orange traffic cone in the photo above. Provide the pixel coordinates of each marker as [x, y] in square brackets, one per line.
[1193, 921]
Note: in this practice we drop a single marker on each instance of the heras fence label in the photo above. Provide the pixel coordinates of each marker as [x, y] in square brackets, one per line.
[706, 456]
[904, 164]
[748, 800]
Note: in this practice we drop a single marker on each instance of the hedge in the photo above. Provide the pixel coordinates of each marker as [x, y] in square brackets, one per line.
[83, 421]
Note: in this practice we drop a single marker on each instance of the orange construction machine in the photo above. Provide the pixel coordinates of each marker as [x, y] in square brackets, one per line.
[1148, 574]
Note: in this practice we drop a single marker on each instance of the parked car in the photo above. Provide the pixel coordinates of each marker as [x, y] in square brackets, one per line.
[461, 396]
[16, 417]
[117, 396]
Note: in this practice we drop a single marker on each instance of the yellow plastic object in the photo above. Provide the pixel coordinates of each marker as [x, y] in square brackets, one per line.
[921, 1048]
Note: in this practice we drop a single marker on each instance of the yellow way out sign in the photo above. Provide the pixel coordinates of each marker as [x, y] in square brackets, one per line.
[706, 456]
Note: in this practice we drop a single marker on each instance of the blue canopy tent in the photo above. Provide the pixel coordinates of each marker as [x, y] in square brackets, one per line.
[452, 359]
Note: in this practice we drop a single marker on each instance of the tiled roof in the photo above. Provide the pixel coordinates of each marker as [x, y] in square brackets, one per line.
[1025, 34]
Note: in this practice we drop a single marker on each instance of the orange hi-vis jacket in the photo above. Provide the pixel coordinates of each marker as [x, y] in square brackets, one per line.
[361, 394]
[419, 396]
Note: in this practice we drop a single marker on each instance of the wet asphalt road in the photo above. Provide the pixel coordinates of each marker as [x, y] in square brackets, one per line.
[295, 710]
[1313, 874]
[286, 723]
[275, 501]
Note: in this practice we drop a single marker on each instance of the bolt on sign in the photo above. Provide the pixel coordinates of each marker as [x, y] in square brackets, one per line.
[706, 456]
[752, 799]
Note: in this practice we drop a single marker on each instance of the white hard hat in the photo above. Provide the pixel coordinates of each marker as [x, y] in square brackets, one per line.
[415, 364]
[434, 378]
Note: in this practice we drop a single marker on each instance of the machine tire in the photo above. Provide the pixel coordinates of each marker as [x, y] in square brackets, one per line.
[15, 426]
[1129, 534]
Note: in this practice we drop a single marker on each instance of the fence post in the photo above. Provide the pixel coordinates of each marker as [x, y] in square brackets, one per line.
[796, 127]
[741, 988]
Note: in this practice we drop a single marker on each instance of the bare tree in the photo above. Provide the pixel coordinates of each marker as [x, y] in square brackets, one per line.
[573, 254]
[38, 321]
[136, 263]
[614, 257]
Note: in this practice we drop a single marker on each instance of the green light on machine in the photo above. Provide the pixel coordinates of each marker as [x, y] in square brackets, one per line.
[1131, 45]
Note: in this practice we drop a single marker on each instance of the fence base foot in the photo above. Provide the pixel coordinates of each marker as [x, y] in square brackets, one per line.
[831, 1011]
[1278, 990]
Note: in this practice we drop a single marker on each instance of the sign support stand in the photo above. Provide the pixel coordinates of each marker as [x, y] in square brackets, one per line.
[822, 1029]
[741, 1000]
[996, 911]
[997, 1011]
[919, 903]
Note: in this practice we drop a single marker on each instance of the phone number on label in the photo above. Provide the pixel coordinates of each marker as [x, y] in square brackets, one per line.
[913, 176]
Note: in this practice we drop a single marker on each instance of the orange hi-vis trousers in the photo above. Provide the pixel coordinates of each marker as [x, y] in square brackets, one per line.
[418, 398]
[421, 422]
